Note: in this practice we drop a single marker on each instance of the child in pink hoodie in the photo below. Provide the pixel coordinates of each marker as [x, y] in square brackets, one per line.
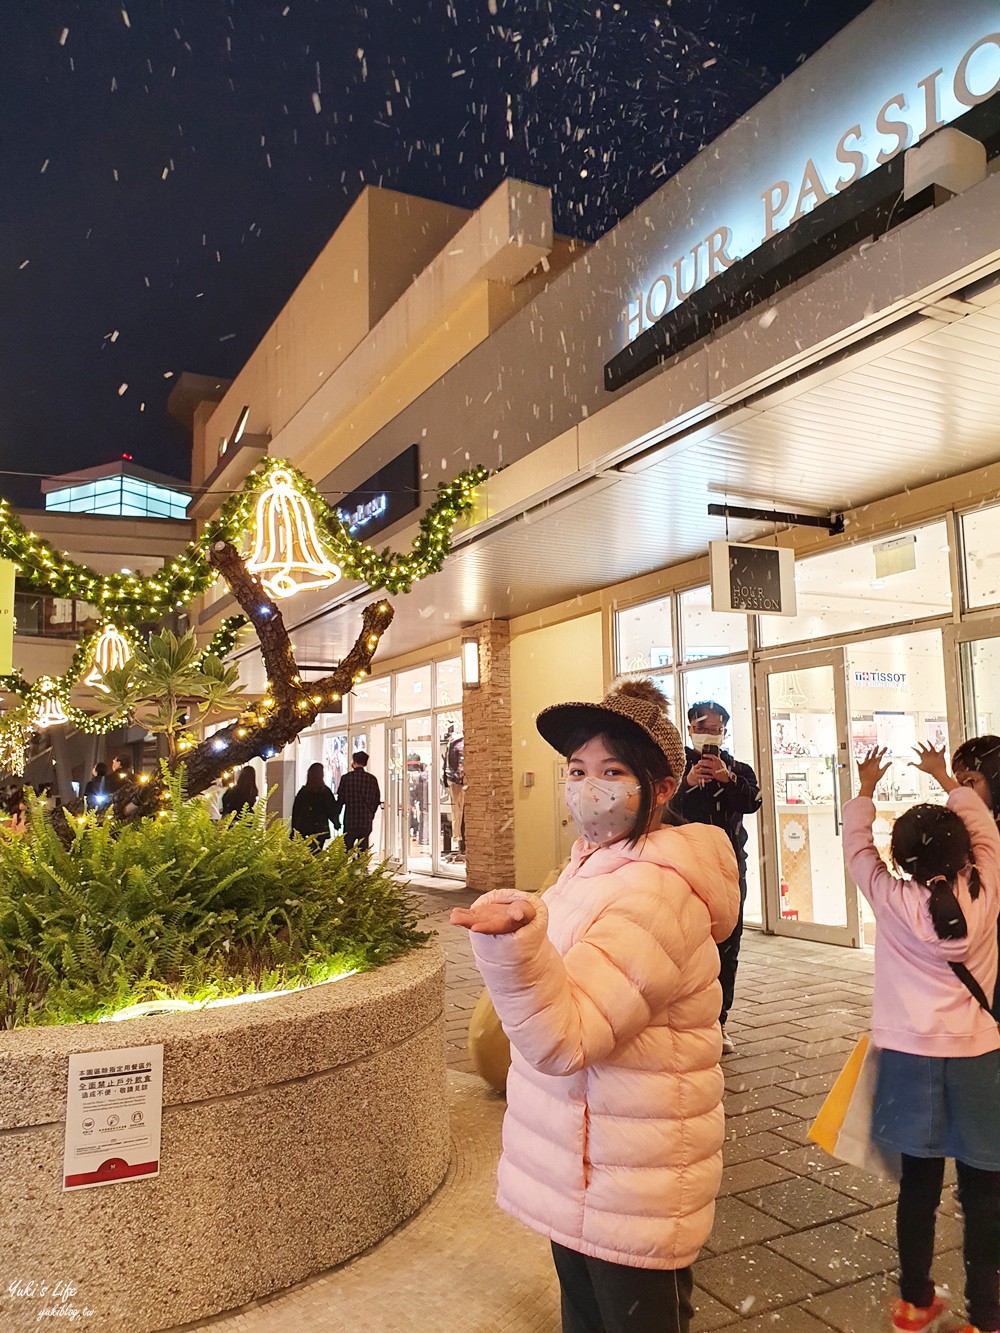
[938, 1089]
[608, 990]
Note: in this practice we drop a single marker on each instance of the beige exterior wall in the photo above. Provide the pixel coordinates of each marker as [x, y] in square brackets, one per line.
[385, 240]
[561, 662]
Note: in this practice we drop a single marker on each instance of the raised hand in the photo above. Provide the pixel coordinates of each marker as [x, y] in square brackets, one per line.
[494, 918]
[934, 762]
[872, 769]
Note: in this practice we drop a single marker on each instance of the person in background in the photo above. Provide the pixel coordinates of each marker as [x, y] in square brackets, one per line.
[938, 1087]
[243, 795]
[608, 988]
[718, 789]
[17, 811]
[976, 764]
[96, 793]
[314, 808]
[121, 771]
[358, 799]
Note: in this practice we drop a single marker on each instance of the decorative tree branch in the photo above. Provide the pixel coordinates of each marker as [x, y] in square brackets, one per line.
[291, 706]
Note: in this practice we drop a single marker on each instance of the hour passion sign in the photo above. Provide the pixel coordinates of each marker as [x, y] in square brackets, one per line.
[757, 580]
[900, 71]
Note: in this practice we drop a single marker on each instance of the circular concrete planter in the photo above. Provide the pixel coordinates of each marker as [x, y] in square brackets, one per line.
[297, 1131]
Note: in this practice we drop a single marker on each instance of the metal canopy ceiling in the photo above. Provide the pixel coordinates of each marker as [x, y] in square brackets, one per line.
[908, 416]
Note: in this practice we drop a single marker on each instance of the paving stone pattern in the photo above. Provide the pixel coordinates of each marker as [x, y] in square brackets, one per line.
[800, 1243]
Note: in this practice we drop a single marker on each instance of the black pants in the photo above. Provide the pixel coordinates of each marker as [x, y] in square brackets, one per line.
[357, 838]
[602, 1297]
[919, 1196]
[729, 959]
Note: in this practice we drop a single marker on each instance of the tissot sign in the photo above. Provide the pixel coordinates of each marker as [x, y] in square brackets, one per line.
[902, 70]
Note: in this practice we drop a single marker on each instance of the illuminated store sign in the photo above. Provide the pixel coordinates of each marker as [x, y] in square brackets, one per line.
[902, 70]
[363, 514]
[387, 496]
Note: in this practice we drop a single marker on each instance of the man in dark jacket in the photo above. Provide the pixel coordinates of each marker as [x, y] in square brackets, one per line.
[718, 789]
[358, 798]
[314, 808]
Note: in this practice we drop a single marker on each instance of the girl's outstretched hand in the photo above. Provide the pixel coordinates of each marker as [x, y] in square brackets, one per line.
[934, 762]
[872, 769]
[494, 918]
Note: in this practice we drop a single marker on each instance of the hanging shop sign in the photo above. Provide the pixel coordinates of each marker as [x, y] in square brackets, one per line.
[387, 496]
[757, 580]
[114, 1106]
[902, 70]
[897, 556]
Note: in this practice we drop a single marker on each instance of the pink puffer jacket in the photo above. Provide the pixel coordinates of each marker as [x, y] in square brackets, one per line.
[610, 996]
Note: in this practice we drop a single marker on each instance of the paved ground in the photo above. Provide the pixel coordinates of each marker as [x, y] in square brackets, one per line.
[800, 1245]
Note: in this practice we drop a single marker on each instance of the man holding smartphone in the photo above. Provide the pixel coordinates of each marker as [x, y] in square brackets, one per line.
[718, 789]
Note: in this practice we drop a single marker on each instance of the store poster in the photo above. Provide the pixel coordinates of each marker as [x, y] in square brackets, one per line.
[114, 1106]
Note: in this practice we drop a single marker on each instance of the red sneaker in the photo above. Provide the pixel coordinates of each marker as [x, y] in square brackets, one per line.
[907, 1318]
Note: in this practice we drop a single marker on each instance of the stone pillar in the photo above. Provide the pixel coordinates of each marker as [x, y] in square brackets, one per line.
[489, 763]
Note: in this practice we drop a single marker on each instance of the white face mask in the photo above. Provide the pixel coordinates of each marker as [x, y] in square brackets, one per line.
[600, 809]
[699, 739]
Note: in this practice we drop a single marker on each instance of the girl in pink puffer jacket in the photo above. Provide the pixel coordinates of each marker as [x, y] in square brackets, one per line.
[608, 990]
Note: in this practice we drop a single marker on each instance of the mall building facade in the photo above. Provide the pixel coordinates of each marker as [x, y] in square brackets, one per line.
[805, 318]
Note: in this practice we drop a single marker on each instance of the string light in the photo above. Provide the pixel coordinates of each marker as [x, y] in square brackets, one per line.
[135, 600]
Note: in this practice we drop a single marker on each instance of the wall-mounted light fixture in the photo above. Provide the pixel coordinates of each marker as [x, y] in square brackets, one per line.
[237, 434]
[470, 664]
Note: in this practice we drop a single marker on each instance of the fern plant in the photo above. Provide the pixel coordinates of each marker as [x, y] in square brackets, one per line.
[185, 907]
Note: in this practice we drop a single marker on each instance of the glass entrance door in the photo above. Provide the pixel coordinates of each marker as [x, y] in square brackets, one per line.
[395, 797]
[806, 780]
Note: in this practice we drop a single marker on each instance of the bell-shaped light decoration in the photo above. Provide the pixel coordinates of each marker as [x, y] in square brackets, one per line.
[111, 651]
[287, 552]
[50, 712]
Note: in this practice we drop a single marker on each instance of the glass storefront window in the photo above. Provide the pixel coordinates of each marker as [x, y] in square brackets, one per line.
[413, 690]
[370, 699]
[981, 542]
[708, 633]
[897, 698]
[730, 686]
[449, 682]
[644, 636]
[981, 676]
[849, 589]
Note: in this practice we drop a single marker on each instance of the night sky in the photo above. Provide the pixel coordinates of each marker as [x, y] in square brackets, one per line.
[173, 167]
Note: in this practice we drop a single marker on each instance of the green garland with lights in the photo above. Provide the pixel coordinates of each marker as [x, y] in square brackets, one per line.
[129, 601]
[134, 599]
[16, 723]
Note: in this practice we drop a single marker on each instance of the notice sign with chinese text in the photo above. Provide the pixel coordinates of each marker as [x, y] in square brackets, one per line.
[758, 580]
[114, 1104]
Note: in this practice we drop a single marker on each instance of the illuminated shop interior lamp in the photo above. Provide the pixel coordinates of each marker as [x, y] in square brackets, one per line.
[470, 664]
[111, 652]
[49, 713]
[287, 552]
